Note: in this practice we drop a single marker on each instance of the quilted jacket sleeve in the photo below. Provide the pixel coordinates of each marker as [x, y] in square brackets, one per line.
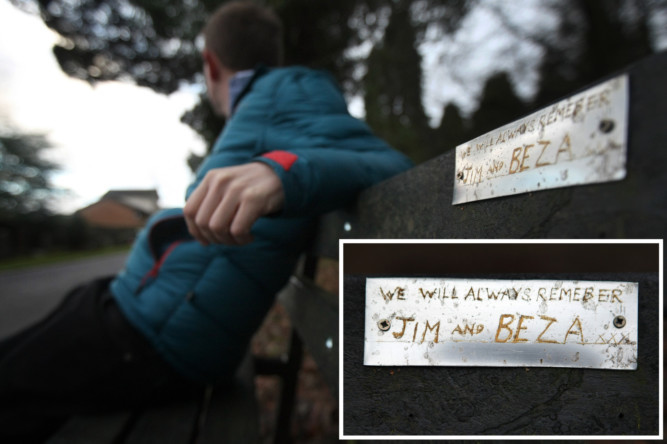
[328, 156]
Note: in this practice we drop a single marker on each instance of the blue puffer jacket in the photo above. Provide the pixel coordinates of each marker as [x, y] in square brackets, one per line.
[200, 305]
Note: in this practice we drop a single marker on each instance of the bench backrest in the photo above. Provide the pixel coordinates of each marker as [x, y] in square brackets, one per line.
[418, 204]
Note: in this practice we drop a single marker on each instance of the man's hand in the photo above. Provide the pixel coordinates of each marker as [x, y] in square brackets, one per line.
[228, 201]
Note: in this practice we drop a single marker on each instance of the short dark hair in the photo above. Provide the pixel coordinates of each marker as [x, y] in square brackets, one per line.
[243, 34]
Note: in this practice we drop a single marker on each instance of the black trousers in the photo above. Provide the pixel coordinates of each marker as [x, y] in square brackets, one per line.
[84, 357]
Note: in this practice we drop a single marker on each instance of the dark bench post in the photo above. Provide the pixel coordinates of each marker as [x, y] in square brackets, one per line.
[313, 313]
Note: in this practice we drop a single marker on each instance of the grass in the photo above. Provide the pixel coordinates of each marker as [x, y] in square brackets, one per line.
[56, 257]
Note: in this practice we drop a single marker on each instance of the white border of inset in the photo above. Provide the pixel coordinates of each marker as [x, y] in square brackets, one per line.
[341, 394]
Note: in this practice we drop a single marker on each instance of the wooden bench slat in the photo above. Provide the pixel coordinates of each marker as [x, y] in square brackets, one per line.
[170, 423]
[100, 429]
[220, 423]
[222, 414]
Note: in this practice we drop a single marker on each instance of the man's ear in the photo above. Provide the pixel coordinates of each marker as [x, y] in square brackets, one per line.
[211, 64]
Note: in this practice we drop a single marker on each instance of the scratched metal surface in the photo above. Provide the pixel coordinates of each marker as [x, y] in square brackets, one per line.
[581, 139]
[512, 323]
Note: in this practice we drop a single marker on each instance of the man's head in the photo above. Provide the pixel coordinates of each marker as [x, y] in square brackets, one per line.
[240, 35]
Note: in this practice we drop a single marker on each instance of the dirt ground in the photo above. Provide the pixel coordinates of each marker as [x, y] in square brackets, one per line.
[315, 415]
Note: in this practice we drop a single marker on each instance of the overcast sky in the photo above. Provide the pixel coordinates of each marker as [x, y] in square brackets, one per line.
[111, 136]
[120, 136]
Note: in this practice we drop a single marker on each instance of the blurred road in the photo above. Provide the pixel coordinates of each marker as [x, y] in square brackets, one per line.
[29, 294]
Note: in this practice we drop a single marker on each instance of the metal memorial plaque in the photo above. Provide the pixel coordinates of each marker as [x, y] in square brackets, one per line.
[576, 141]
[514, 323]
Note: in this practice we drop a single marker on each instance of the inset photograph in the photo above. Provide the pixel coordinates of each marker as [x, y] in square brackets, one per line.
[500, 339]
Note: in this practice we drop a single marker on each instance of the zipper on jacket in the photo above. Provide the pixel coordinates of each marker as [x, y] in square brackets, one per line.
[153, 272]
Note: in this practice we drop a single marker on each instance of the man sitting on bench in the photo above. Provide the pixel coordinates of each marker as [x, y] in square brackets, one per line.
[199, 281]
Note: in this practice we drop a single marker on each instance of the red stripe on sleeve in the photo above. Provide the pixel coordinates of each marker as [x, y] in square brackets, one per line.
[284, 158]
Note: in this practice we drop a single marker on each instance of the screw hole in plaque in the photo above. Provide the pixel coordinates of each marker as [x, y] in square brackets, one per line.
[619, 322]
